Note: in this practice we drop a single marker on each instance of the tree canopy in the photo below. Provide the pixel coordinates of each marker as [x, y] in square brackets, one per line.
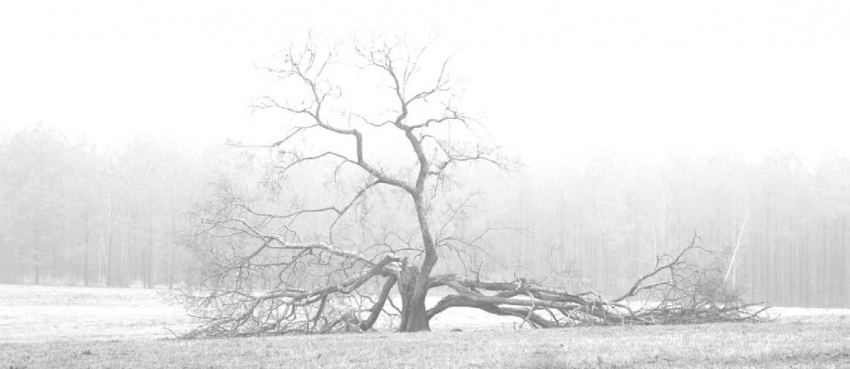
[366, 190]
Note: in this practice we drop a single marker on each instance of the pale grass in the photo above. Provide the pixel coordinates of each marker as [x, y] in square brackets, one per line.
[60, 327]
[42, 313]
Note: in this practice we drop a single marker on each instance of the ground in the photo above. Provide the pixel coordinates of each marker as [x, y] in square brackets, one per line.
[65, 327]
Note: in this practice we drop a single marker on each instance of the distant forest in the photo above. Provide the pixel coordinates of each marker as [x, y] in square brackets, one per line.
[72, 213]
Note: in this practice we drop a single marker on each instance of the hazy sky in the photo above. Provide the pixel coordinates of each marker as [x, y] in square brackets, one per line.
[552, 81]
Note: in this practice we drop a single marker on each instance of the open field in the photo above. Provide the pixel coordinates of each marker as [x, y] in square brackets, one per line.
[64, 327]
[47, 313]
[53, 313]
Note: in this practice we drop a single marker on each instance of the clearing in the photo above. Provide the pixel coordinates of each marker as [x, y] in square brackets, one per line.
[74, 327]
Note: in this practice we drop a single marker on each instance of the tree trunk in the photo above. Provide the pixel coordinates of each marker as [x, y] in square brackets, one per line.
[35, 254]
[109, 277]
[413, 284]
[413, 312]
[173, 247]
[86, 250]
[149, 267]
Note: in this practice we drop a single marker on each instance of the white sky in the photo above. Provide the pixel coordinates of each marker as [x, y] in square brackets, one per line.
[552, 81]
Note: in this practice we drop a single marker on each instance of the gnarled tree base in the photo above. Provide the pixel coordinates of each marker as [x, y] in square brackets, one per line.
[674, 292]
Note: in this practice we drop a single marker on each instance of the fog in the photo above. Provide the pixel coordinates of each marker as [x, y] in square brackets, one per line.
[635, 126]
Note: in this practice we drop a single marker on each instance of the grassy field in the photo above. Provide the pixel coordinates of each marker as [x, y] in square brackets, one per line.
[43, 313]
[60, 327]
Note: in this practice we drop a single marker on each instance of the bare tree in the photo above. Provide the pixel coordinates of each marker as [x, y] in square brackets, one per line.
[390, 157]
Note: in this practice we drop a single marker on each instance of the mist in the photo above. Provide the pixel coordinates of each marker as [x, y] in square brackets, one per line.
[632, 131]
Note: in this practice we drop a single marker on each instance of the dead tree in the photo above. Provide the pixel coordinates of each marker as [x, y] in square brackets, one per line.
[675, 291]
[265, 270]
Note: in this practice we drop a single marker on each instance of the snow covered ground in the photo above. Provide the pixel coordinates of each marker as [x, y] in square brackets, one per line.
[797, 314]
[42, 313]
[50, 313]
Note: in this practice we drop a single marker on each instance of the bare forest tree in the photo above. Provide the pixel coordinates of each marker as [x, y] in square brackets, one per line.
[367, 193]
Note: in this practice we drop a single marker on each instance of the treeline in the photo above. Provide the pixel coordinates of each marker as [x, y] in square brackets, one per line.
[73, 213]
[603, 223]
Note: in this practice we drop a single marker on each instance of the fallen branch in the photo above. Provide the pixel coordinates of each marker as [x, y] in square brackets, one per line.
[675, 291]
